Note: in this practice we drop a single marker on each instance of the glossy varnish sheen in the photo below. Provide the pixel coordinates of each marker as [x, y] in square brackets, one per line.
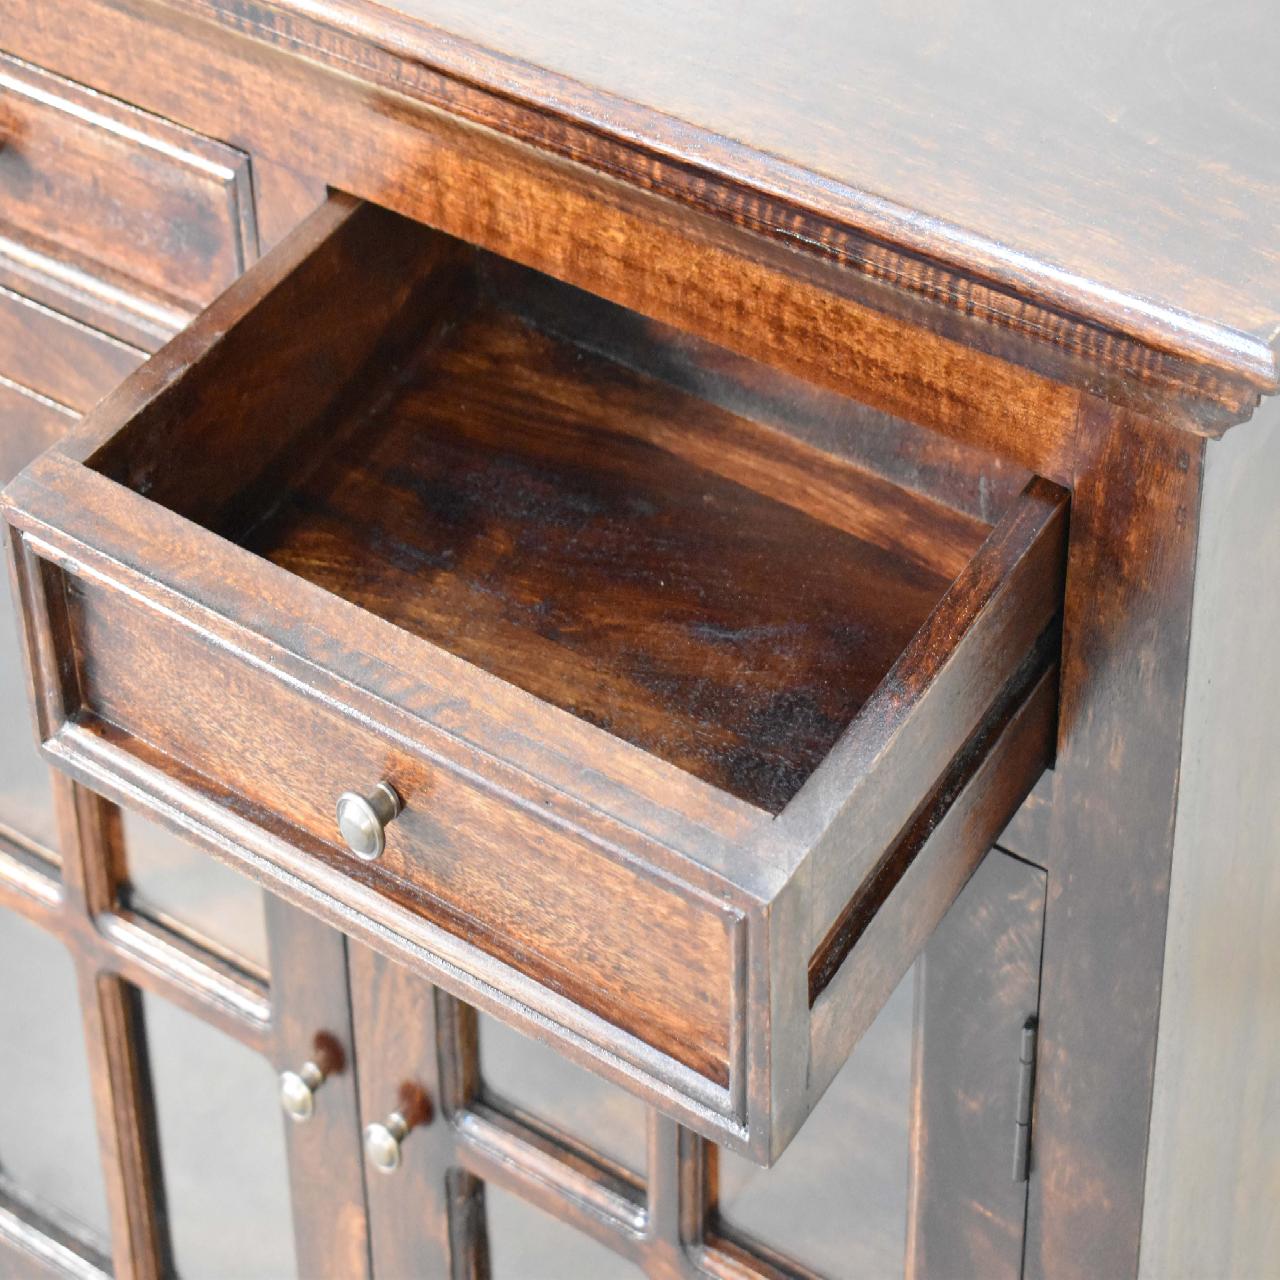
[512, 501]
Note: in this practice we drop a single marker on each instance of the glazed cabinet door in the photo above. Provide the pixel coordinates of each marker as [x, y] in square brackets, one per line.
[150, 998]
[491, 1154]
[161, 1008]
[157, 1009]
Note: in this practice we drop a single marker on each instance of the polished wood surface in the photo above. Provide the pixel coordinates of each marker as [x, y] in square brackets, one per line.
[656, 962]
[1091, 158]
[936, 857]
[417, 1058]
[1029, 244]
[312, 1023]
[941, 349]
[1125, 653]
[94, 188]
[620, 551]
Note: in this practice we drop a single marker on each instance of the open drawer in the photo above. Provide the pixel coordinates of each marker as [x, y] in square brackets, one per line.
[697, 729]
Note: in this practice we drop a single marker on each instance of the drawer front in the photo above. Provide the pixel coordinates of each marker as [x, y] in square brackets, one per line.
[483, 865]
[58, 358]
[29, 424]
[92, 184]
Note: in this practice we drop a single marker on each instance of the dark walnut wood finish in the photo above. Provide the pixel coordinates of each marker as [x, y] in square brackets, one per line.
[102, 202]
[915, 281]
[465, 1141]
[788, 677]
[845, 131]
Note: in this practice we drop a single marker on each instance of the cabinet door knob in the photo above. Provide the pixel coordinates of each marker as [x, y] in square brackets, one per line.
[363, 819]
[382, 1142]
[298, 1091]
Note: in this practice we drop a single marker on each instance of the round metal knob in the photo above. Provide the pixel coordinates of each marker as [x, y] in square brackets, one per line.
[363, 819]
[382, 1142]
[298, 1091]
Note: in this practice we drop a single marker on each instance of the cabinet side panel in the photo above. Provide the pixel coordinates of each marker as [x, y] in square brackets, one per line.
[1213, 1172]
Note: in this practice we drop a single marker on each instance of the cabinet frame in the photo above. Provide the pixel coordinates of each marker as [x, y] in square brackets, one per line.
[1125, 444]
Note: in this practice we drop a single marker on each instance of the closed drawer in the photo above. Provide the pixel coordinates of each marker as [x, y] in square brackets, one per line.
[102, 202]
[29, 424]
[57, 357]
[52, 369]
[698, 728]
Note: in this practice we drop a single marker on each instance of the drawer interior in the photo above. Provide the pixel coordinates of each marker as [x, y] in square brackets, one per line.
[492, 472]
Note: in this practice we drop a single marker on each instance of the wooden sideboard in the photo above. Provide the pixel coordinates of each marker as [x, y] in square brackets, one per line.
[642, 619]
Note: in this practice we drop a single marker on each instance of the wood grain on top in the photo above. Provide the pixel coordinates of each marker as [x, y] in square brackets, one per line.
[1118, 161]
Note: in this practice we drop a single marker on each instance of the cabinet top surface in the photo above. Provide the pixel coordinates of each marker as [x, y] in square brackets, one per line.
[1119, 160]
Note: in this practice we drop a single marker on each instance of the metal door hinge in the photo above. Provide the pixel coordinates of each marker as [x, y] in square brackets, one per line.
[1026, 1091]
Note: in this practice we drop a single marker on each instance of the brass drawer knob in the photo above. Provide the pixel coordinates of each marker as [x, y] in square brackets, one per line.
[298, 1091]
[363, 820]
[382, 1142]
